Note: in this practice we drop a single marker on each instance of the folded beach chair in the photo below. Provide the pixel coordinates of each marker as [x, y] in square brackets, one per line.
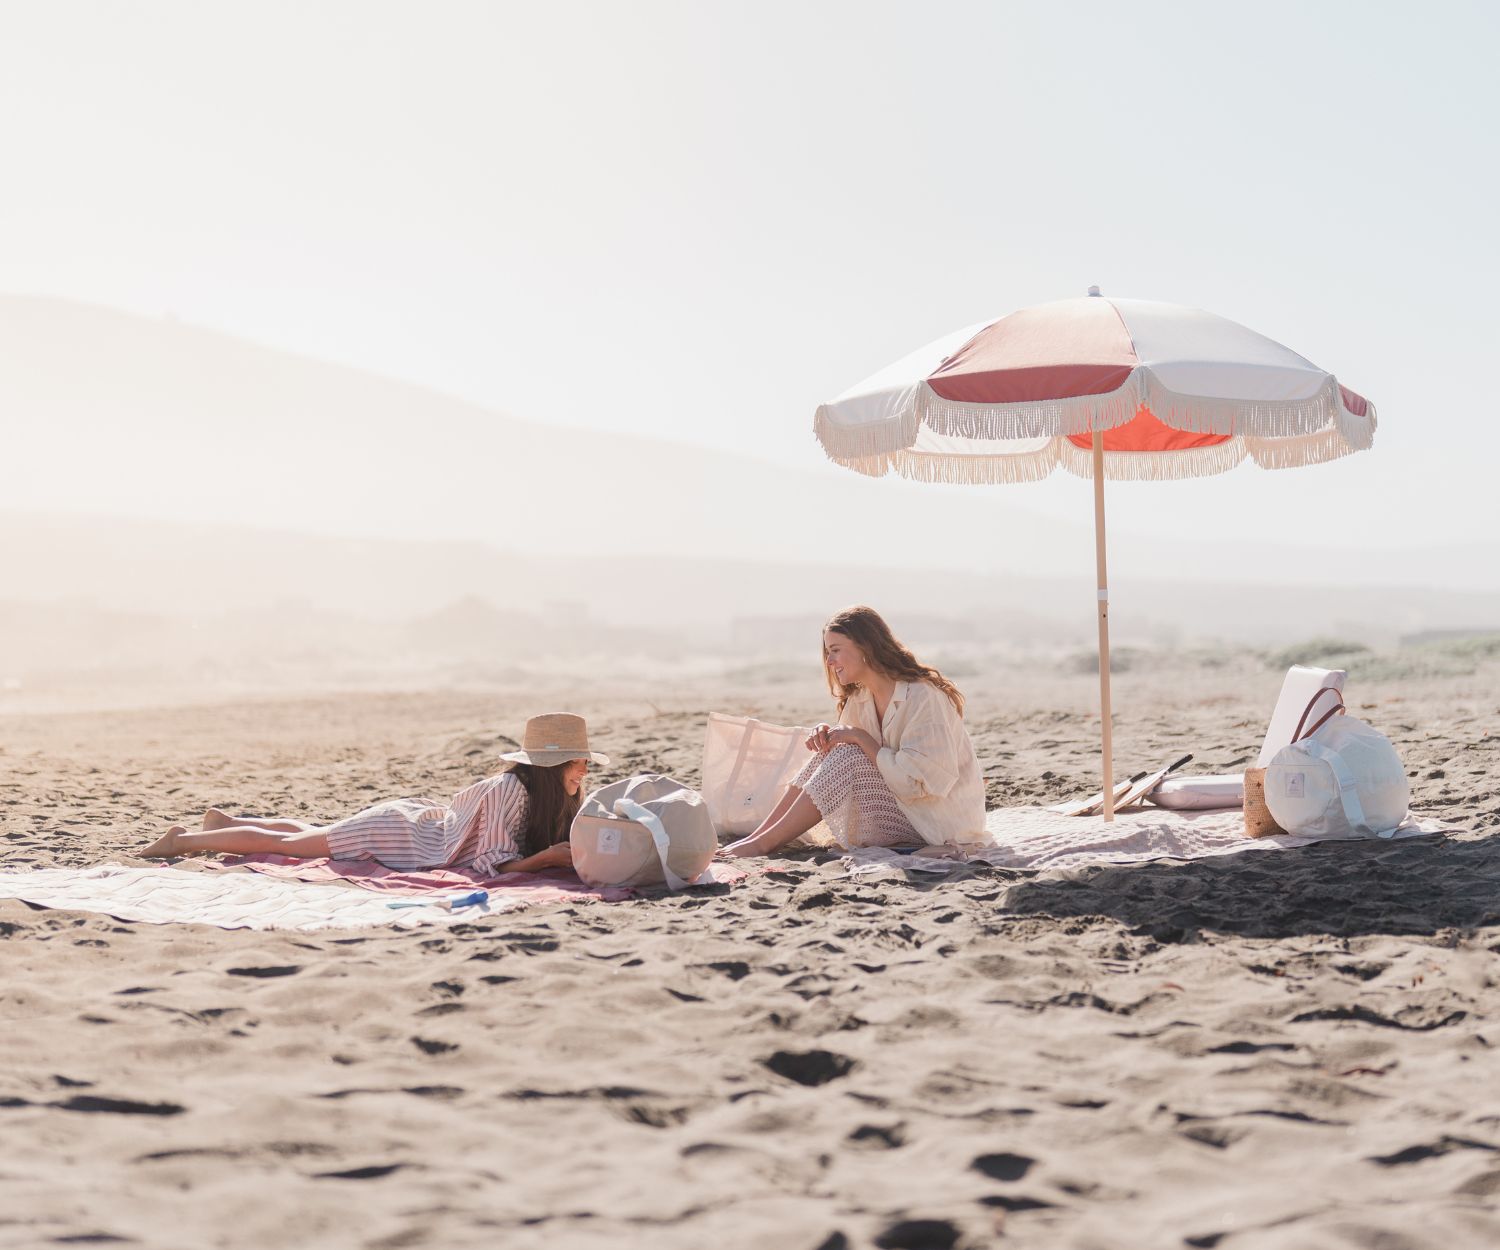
[1228, 789]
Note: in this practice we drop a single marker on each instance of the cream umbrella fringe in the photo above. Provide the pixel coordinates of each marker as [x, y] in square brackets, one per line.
[1278, 437]
[1259, 422]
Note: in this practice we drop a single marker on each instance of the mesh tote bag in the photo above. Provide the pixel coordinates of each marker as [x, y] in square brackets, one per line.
[747, 763]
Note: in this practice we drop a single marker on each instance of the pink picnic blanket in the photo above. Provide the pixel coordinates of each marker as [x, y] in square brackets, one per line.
[526, 887]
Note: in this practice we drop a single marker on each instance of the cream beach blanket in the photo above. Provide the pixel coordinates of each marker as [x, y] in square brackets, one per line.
[227, 900]
[162, 894]
[1033, 839]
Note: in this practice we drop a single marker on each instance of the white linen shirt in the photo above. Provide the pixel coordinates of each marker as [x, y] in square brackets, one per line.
[927, 759]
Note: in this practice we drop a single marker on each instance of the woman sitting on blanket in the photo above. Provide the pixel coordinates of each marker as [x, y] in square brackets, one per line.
[515, 821]
[899, 769]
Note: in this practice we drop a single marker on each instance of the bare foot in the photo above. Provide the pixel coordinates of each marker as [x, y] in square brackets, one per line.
[216, 819]
[165, 846]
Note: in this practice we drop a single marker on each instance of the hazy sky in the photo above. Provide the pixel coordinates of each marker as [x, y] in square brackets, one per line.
[697, 220]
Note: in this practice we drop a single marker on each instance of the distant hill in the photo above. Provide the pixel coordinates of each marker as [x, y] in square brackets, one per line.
[108, 413]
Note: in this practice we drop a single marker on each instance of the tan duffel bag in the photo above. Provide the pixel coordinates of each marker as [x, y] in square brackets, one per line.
[646, 830]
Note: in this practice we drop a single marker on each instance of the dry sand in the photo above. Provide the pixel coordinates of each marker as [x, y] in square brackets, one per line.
[1294, 1051]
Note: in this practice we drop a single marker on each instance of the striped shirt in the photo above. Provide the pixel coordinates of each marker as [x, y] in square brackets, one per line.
[478, 831]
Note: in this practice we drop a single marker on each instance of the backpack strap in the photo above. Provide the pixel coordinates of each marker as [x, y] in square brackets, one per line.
[1354, 810]
[631, 810]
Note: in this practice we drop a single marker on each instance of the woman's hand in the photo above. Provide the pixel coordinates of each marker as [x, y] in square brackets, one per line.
[846, 735]
[818, 739]
[558, 855]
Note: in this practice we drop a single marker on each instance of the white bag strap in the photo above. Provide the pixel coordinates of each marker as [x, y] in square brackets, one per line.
[629, 809]
[1354, 810]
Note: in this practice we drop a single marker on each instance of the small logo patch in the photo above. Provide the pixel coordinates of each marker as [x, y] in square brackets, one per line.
[1296, 785]
[609, 841]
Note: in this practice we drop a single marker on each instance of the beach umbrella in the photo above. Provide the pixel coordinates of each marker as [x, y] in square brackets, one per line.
[1102, 387]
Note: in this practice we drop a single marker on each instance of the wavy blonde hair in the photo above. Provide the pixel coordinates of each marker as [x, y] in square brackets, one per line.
[867, 630]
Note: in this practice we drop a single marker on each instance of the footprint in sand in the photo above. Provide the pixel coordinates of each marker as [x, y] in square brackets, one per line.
[877, 1137]
[918, 1235]
[430, 1047]
[117, 1106]
[734, 969]
[1250, 1048]
[1003, 1166]
[361, 1174]
[1411, 1019]
[1430, 1150]
[810, 1067]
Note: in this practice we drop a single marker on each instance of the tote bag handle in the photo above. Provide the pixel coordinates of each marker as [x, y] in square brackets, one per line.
[1338, 710]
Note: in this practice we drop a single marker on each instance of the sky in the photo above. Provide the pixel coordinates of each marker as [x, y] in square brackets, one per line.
[696, 221]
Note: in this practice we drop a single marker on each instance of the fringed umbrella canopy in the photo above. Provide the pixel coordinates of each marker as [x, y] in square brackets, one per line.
[1106, 388]
[1177, 392]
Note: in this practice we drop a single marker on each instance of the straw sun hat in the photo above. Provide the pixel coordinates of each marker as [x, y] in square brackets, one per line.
[555, 738]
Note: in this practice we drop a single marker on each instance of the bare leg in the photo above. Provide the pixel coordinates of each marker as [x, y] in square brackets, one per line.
[239, 840]
[783, 805]
[214, 818]
[798, 818]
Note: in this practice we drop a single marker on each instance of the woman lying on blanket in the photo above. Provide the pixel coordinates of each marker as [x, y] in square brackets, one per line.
[519, 818]
[898, 769]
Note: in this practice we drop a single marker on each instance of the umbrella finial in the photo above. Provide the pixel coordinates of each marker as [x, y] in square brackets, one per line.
[1093, 290]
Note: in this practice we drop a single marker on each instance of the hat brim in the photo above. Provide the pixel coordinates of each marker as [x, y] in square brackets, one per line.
[551, 759]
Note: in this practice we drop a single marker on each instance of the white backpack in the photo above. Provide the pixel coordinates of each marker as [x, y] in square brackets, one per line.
[1340, 779]
[646, 830]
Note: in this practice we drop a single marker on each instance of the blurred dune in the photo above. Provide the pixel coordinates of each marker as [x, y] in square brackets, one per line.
[188, 512]
[114, 413]
[123, 610]
[110, 413]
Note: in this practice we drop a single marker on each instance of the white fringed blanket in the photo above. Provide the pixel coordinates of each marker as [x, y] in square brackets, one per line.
[1032, 839]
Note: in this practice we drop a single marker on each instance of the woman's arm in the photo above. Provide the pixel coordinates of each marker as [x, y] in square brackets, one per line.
[847, 735]
[558, 855]
[926, 764]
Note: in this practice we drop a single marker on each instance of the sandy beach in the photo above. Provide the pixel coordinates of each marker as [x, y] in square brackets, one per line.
[376, 378]
[1295, 1051]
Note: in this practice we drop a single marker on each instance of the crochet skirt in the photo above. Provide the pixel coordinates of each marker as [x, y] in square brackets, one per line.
[856, 804]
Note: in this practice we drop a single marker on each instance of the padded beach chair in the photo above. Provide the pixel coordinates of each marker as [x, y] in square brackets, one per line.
[1207, 793]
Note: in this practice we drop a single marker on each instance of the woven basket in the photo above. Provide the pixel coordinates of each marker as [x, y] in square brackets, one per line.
[1259, 823]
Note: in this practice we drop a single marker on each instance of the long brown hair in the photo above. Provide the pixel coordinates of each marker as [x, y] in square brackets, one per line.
[867, 630]
[550, 812]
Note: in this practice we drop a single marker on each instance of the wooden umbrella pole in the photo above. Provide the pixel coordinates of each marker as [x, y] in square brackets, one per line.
[1104, 709]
